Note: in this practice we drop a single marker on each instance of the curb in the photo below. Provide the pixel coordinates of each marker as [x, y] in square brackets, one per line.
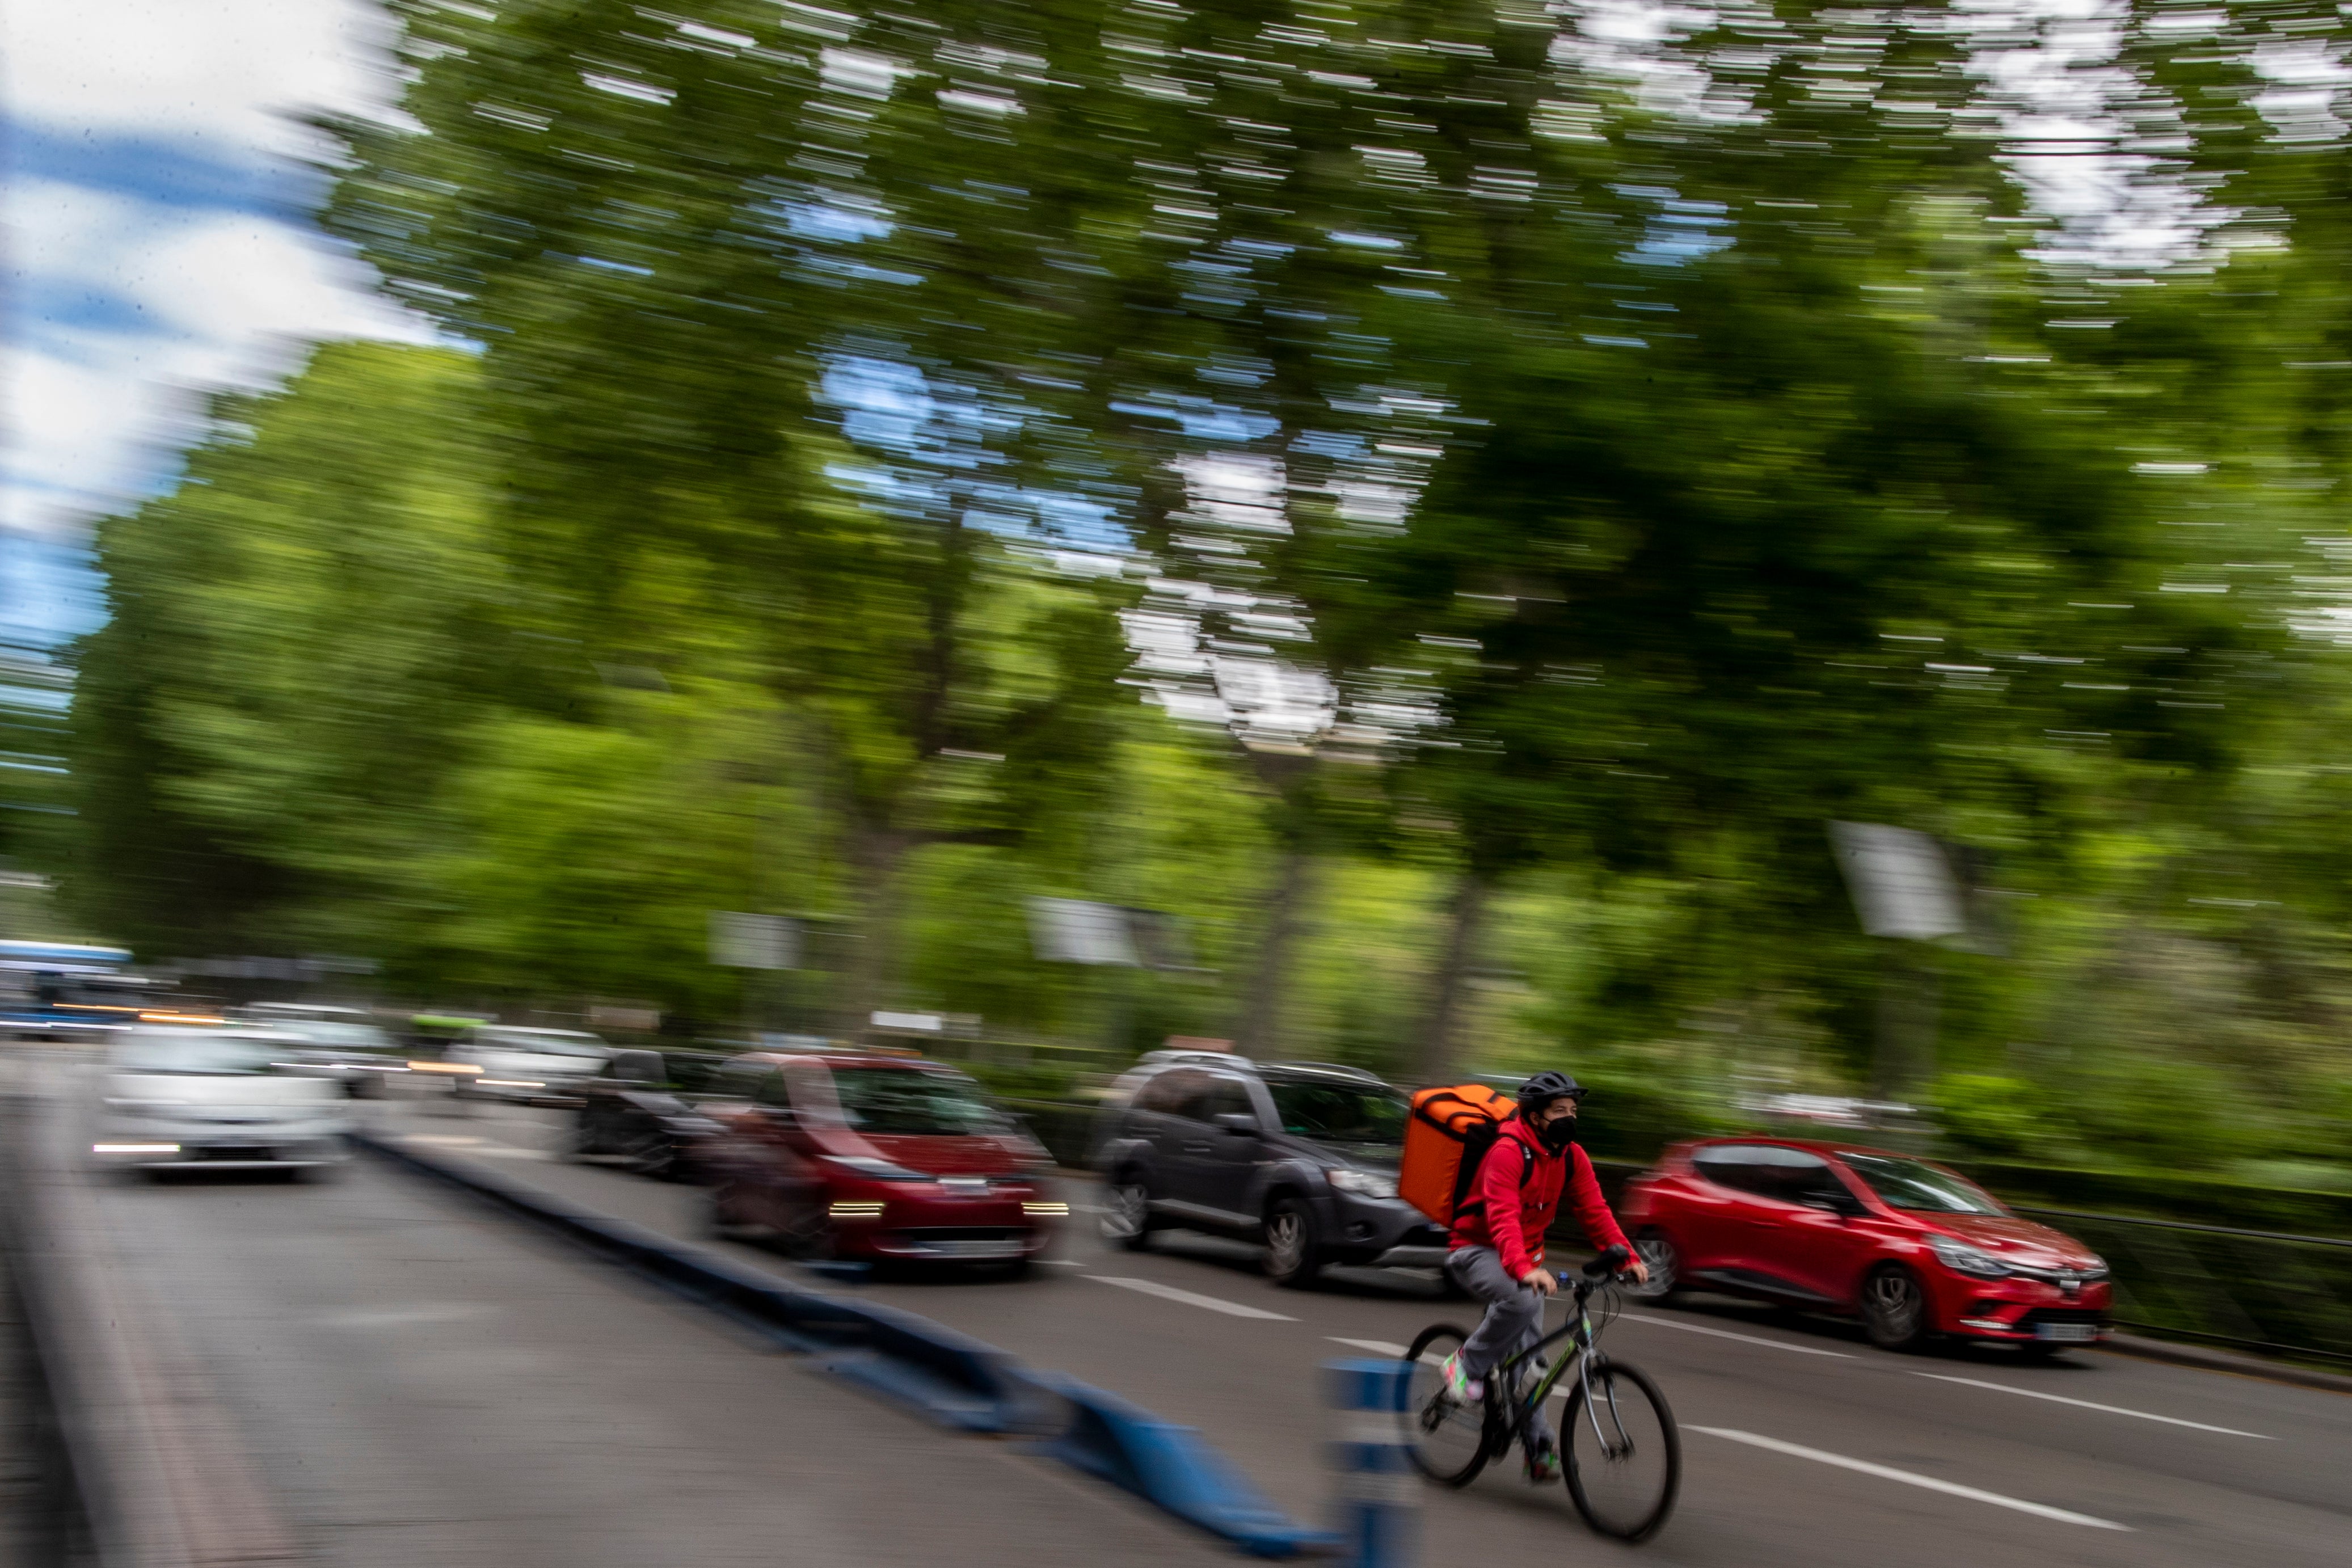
[947, 1377]
[2208, 1359]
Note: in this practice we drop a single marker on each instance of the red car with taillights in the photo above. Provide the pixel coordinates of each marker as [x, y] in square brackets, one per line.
[873, 1156]
[1913, 1249]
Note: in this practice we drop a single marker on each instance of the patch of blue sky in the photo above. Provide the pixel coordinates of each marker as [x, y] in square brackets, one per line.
[941, 440]
[1366, 241]
[603, 265]
[1679, 230]
[159, 173]
[49, 590]
[894, 406]
[859, 272]
[1202, 419]
[60, 314]
[834, 222]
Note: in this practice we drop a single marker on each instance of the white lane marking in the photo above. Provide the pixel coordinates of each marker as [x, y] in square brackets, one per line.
[1727, 1334]
[435, 1137]
[1888, 1473]
[508, 1151]
[1378, 1347]
[2086, 1405]
[1170, 1293]
[400, 1317]
[1063, 1263]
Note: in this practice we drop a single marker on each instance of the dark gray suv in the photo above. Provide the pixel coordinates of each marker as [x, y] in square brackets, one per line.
[1300, 1155]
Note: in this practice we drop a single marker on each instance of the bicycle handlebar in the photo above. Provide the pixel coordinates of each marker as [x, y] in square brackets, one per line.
[1604, 1267]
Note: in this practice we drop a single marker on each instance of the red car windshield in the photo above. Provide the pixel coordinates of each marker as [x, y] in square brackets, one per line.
[900, 1102]
[1920, 1187]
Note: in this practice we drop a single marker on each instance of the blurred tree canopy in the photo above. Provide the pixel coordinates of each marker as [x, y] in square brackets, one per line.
[1448, 497]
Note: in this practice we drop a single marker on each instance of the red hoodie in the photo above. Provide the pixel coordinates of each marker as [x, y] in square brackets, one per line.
[1511, 1217]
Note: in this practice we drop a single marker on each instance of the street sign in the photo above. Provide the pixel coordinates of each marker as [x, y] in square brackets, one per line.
[1072, 931]
[754, 941]
[1901, 881]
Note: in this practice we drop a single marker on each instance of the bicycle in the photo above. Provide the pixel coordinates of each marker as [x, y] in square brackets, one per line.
[1621, 1455]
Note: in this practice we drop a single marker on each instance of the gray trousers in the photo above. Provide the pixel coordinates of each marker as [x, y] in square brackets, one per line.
[1514, 1319]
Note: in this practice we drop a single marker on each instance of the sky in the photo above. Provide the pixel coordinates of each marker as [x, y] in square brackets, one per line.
[155, 244]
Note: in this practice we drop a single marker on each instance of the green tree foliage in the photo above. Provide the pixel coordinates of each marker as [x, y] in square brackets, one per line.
[1537, 475]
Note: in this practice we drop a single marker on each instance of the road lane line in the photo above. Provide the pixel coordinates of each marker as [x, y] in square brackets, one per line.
[1170, 1293]
[1909, 1479]
[1378, 1347]
[1727, 1334]
[2086, 1405]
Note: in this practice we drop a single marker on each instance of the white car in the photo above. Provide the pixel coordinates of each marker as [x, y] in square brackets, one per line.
[526, 1065]
[220, 1099]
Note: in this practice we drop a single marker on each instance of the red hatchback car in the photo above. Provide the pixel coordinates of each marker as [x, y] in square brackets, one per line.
[1913, 1249]
[876, 1157]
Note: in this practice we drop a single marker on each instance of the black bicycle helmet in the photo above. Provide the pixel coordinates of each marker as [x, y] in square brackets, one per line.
[1544, 1088]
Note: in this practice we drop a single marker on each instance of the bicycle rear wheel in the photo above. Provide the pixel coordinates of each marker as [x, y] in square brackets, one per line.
[1449, 1442]
[1624, 1453]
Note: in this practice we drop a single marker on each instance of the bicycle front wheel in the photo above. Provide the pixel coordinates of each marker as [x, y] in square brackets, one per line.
[1624, 1453]
[1449, 1442]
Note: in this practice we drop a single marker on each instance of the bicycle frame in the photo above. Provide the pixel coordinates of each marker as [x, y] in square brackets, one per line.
[1588, 1353]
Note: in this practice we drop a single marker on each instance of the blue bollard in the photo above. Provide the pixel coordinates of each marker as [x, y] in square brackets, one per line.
[1380, 1491]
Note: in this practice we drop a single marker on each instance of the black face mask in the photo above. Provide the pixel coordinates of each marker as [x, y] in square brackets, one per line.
[1558, 1135]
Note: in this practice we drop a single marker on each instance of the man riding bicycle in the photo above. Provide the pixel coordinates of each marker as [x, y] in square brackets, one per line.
[1495, 1252]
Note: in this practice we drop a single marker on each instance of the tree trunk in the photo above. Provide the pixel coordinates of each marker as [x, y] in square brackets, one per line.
[1465, 923]
[1910, 1003]
[878, 857]
[1260, 1030]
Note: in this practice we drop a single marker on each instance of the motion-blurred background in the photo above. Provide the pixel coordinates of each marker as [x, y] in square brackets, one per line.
[1433, 509]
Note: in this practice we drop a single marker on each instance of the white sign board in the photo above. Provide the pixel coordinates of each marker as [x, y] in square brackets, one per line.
[1072, 931]
[1901, 880]
[754, 941]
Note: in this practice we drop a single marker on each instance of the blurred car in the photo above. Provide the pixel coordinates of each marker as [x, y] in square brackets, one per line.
[531, 1067]
[219, 1099]
[1913, 1249]
[637, 1111]
[340, 1044]
[1300, 1155]
[884, 1158]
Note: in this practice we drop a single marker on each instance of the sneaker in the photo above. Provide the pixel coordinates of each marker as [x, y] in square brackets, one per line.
[1543, 1463]
[1460, 1386]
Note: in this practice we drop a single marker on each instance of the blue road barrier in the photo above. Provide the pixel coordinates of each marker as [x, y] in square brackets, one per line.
[948, 1377]
[1175, 1467]
[1379, 1493]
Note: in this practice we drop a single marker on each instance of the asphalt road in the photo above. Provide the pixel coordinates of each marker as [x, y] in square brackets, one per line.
[1803, 1446]
[370, 1372]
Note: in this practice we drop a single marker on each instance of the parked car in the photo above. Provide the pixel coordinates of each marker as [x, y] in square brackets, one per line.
[1913, 1249]
[177, 1098]
[1299, 1155]
[638, 1110]
[532, 1067]
[857, 1155]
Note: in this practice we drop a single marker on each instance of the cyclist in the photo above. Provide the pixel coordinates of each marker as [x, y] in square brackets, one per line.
[1497, 1250]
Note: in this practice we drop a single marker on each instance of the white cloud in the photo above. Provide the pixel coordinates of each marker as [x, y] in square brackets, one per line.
[218, 73]
[141, 301]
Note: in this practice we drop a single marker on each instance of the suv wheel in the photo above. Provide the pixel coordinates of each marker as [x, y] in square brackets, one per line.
[1894, 1308]
[1292, 1255]
[1127, 1215]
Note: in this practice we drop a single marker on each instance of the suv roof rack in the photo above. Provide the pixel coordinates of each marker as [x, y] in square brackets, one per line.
[1218, 1058]
[1332, 1066]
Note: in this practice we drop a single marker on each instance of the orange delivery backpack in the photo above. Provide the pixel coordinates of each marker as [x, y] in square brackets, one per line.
[1447, 1136]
